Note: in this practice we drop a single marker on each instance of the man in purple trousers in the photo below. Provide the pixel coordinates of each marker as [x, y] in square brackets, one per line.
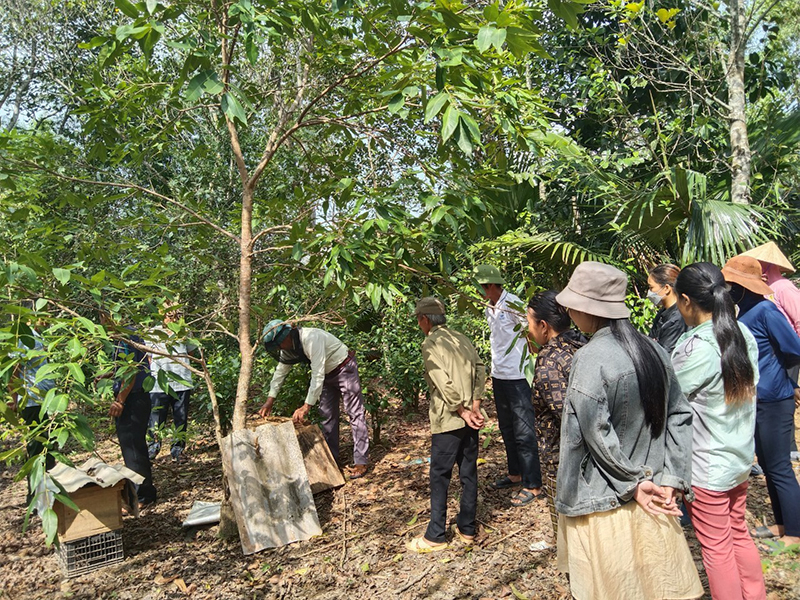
[334, 375]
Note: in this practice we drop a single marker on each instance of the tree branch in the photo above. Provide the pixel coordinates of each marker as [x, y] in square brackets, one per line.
[359, 69]
[138, 188]
[753, 22]
[269, 230]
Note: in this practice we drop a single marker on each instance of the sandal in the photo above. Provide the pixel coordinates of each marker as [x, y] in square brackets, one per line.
[505, 482]
[524, 497]
[467, 539]
[420, 546]
[357, 471]
[762, 532]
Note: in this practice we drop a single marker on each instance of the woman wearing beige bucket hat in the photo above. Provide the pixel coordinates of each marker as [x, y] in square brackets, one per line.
[625, 454]
[778, 350]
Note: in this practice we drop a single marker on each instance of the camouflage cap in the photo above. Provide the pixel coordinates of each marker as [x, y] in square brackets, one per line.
[275, 332]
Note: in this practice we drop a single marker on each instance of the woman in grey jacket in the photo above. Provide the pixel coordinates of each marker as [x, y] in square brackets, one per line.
[626, 439]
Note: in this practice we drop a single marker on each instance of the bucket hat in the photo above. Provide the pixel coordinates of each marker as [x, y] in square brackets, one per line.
[488, 274]
[770, 253]
[746, 271]
[596, 289]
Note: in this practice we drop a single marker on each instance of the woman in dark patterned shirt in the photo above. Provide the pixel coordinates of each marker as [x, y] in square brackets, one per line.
[549, 326]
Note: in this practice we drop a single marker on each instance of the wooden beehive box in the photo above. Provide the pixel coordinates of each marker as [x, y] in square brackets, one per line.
[101, 511]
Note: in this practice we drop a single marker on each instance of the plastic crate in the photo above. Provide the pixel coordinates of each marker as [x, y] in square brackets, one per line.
[90, 553]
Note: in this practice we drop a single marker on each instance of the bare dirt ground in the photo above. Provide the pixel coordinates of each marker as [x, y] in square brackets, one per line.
[361, 554]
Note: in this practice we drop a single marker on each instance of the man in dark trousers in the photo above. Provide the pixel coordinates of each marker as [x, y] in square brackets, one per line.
[456, 378]
[512, 392]
[131, 410]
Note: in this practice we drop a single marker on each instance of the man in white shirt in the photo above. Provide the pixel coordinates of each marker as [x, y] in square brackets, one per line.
[512, 392]
[334, 375]
[178, 378]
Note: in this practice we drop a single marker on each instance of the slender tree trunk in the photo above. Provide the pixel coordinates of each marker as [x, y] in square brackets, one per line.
[212, 394]
[246, 347]
[740, 144]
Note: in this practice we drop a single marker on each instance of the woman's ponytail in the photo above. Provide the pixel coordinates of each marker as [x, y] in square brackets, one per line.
[705, 285]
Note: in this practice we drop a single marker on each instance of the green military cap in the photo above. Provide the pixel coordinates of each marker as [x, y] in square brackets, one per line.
[488, 274]
[429, 306]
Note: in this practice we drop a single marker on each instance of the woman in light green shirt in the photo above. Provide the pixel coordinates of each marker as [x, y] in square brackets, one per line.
[716, 363]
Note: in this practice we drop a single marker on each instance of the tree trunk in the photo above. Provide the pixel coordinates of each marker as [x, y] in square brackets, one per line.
[246, 348]
[740, 144]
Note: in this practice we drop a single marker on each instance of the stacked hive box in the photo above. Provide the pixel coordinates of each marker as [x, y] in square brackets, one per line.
[91, 537]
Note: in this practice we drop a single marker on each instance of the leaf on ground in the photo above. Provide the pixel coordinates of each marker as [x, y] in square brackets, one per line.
[365, 567]
[413, 520]
[481, 461]
[517, 594]
[397, 558]
[181, 585]
[301, 572]
[162, 580]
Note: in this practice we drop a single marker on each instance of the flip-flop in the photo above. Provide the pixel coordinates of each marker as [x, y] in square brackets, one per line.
[505, 482]
[355, 473]
[464, 538]
[762, 533]
[525, 497]
[420, 546]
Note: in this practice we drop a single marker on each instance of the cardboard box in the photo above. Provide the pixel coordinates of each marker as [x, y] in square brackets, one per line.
[101, 511]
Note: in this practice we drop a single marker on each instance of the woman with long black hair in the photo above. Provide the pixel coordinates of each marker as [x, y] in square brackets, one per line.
[716, 363]
[549, 327]
[626, 439]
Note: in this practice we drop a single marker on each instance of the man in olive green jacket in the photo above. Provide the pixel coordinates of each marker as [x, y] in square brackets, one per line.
[456, 377]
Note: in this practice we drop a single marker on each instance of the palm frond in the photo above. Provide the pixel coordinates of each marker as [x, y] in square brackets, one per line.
[549, 248]
[718, 229]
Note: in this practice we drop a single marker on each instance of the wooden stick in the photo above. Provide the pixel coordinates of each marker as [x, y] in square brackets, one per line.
[344, 529]
[349, 538]
[413, 527]
[485, 524]
[414, 581]
[505, 537]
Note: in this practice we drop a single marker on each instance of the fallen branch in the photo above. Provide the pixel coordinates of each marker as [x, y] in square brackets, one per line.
[413, 527]
[414, 581]
[505, 537]
[349, 538]
[344, 529]
[491, 528]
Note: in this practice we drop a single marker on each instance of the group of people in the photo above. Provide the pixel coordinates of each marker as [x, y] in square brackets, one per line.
[618, 430]
[138, 414]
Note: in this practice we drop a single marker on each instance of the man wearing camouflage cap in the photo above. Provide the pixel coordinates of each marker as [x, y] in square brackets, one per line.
[456, 378]
[512, 392]
[334, 375]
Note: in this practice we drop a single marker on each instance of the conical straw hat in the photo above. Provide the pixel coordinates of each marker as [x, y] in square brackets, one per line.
[770, 253]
